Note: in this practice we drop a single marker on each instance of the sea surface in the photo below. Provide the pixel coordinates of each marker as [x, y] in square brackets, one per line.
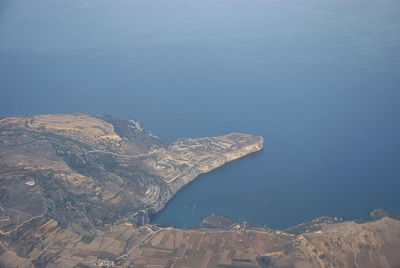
[319, 80]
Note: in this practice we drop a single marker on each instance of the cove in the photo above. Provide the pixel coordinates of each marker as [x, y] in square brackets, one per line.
[319, 80]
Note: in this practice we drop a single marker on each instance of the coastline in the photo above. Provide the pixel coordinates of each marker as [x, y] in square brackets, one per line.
[142, 217]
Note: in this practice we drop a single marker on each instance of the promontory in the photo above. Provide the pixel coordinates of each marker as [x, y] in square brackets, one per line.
[76, 190]
[99, 167]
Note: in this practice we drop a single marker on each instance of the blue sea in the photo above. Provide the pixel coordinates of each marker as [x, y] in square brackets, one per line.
[319, 80]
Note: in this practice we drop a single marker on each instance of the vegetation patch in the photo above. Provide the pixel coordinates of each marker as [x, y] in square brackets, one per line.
[87, 239]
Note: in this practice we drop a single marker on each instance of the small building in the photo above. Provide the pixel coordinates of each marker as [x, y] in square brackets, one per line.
[104, 263]
[30, 183]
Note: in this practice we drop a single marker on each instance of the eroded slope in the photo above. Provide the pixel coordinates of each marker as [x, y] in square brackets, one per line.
[98, 169]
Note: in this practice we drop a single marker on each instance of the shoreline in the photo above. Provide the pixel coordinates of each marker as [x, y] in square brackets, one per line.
[142, 217]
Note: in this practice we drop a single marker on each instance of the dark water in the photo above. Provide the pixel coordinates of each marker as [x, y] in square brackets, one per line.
[319, 80]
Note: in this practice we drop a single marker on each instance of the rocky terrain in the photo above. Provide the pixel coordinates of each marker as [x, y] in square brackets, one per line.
[76, 191]
[98, 169]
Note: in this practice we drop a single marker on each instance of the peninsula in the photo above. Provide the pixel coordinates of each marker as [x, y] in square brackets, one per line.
[76, 190]
[100, 167]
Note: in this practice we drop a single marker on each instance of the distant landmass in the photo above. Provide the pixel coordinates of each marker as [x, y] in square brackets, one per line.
[76, 190]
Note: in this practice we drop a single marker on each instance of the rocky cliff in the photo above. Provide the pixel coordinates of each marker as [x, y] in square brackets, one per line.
[97, 169]
[76, 191]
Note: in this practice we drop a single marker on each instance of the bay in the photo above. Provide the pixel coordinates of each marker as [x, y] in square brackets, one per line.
[319, 80]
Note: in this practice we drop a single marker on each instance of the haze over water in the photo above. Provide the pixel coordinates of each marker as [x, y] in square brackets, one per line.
[319, 80]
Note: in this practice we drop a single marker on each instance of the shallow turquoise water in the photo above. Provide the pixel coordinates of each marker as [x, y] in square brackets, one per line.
[319, 80]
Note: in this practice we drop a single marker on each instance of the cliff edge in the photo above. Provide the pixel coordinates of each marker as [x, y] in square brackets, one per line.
[96, 169]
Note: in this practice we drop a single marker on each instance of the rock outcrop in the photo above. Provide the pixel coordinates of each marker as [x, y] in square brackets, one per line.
[98, 169]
